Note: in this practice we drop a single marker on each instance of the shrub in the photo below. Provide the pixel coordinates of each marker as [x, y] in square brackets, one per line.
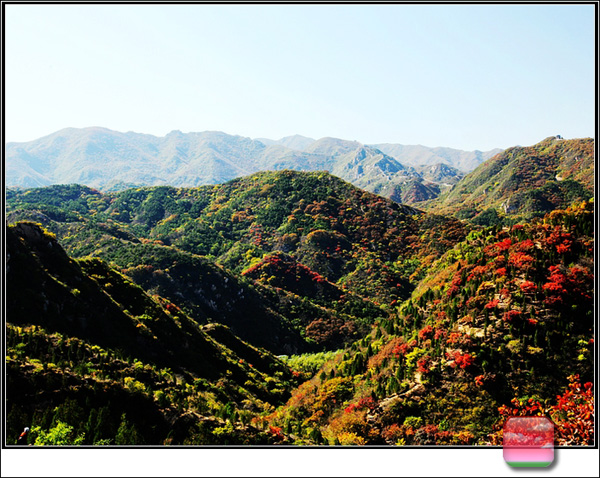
[60, 434]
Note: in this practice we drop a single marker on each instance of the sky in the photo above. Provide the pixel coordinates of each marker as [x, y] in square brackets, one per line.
[467, 76]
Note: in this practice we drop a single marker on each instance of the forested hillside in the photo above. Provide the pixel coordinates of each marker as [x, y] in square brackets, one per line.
[198, 246]
[522, 183]
[93, 359]
[152, 316]
[502, 324]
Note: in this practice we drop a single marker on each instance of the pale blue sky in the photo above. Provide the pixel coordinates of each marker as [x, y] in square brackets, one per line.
[463, 76]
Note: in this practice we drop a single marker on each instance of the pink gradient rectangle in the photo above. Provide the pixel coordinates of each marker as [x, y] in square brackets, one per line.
[529, 454]
[528, 441]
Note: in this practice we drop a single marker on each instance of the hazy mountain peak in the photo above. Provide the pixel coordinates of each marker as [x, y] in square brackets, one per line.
[296, 142]
[417, 155]
[333, 146]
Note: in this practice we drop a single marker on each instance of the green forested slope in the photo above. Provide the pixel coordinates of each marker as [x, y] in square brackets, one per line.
[523, 182]
[362, 244]
[88, 348]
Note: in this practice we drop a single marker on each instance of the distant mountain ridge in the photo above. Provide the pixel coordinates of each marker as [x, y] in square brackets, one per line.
[108, 160]
[417, 155]
[296, 142]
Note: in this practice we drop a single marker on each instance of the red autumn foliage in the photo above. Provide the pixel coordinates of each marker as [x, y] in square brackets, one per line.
[520, 260]
[529, 408]
[511, 315]
[397, 351]
[554, 287]
[581, 282]
[576, 285]
[462, 360]
[492, 304]
[504, 245]
[455, 337]
[403, 348]
[363, 403]
[424, 364]
[573, 414]
[394, 348]
[476, 272]
[393, 433]
[439, 334]
[557, 236]
[426, 332]
[275, 431]
[524, 246]
[528, 287]
[456, 281]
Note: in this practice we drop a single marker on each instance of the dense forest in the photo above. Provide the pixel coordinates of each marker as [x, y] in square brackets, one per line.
[295, 308]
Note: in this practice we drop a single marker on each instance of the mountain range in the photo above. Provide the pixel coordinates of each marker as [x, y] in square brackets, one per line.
[110, 160]
[152, 316]
[293, 307]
